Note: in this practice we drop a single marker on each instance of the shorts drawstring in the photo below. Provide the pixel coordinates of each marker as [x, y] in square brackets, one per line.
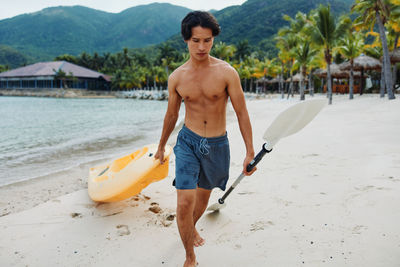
[204, 147]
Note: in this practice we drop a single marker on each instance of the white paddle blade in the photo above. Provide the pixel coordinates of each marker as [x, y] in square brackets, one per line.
[216, 207]
[293, 120]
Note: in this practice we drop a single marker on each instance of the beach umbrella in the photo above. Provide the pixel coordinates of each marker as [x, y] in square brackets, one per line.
[362, 63]
[289, 122]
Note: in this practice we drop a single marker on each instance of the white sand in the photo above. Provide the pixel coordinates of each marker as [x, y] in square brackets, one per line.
[327, 196]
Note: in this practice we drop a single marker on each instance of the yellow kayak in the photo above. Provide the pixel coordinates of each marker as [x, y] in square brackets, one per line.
[127, 176]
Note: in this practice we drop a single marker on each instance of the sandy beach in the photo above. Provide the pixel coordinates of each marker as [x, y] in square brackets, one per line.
[326, 196]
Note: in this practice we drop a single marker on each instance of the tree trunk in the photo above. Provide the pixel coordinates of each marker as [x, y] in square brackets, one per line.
[290, 91]
[301, 89]
[382, 90]
[286, 86]
[311, 84]
[395, 65]
[351, 95]
[394, 77]
[386, 59]
[329, 82]
[322, 85]
[281, 82]
[362, 83]
[302, 82]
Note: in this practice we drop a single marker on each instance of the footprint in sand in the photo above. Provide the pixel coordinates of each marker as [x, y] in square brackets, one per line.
[76, 215]
[358, 229]
[163, 217]
[123, 230]
[167, 219]
[260, 225]
[155, 208]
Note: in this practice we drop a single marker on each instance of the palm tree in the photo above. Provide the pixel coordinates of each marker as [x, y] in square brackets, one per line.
[377, 12]
[326, 33]
[375, 50]
[286, 42]
[251, 64]
[224, 51]
[304, 54]
[284, 59]
[394, 33]
[295, 33]
[167, 55]
[265, 68]
[96, 62]
[3, 68]
[84, 60]
[244, 73]
[126, 58]
[68, 58]
[242, 50]
[159, 75]
[351, 47]
[316, 62]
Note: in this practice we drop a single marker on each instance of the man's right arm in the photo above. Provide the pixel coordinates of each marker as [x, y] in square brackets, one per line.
[171, 116]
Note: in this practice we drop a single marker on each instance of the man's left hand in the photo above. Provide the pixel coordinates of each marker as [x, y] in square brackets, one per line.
[246, 162]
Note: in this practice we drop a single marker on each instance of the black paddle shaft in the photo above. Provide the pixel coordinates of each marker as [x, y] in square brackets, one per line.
[257, 158]
[249, 168]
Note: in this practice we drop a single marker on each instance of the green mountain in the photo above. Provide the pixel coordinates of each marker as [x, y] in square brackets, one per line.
[72, 30]
[11, 57]
[259, 20]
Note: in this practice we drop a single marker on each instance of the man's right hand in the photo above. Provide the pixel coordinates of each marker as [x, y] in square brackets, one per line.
[160, 154]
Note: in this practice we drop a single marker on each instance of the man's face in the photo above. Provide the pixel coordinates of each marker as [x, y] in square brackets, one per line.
[200, 43]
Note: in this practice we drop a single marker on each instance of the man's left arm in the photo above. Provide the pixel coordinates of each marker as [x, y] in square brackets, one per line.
[238, 101]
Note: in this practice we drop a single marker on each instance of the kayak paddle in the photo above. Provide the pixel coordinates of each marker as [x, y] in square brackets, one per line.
[287, 123]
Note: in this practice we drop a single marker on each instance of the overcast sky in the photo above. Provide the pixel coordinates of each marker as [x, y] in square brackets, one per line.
[11, 8]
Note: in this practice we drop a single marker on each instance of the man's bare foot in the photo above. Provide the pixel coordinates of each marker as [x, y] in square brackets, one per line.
[190, 263]
[198, 240]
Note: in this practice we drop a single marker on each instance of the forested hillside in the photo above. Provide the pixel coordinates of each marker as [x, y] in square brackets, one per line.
[56, 31]
[72, 30]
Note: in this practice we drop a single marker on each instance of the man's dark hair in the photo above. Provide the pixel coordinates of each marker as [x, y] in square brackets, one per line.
[199, 18]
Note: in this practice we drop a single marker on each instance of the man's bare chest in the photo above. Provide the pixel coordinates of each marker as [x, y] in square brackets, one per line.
[193, 87]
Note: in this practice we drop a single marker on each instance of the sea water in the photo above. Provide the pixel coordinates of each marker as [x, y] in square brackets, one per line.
[41, 136]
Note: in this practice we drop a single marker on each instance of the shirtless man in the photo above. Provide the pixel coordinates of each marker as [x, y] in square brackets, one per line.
[204, 83]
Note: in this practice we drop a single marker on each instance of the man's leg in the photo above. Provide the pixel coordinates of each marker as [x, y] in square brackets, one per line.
[185, 209]
[202, 197]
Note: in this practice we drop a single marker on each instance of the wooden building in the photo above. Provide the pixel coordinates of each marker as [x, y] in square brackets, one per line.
[51, 75]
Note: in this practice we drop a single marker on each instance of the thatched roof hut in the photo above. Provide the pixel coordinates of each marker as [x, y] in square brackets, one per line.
[297, 77]
[395, 56]
[262, 80]
[336, 72]
[362, 63]
[276, 79]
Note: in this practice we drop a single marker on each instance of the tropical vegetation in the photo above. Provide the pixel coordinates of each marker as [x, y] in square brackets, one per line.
[308, 43]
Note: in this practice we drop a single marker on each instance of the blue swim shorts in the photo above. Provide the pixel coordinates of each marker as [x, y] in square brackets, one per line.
[201, 162]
